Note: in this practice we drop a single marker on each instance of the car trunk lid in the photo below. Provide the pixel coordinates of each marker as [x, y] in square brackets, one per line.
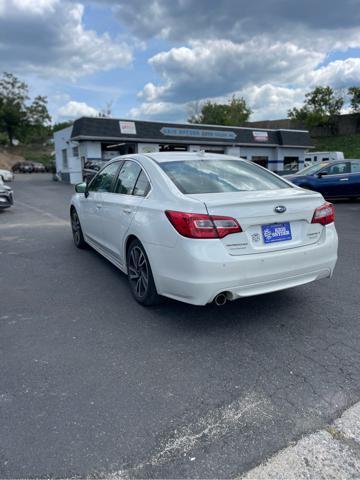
[264, 229]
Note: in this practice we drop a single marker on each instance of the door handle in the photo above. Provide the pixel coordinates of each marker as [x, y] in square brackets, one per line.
[98, 205]
[344, 179]
[127, 210]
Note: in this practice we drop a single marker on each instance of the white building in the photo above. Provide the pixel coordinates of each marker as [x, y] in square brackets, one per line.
[103, 138]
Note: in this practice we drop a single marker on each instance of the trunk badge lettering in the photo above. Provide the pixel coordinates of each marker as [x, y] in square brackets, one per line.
[280, 209]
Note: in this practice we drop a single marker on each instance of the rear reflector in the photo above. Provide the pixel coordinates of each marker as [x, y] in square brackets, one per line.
[198, 225]
[324, 214]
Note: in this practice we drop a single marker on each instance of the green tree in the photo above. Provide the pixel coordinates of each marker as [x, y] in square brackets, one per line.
[13, 97]
[37, 126]
[60, 125]
[354, 93]
[18, 118]
[235, 112]
[320, 107]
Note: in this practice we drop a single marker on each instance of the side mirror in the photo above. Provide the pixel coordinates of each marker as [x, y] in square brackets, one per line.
[321, 174]
[81, 187]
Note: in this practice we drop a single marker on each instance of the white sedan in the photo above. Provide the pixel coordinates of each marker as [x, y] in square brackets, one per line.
[200, 227]
[6, 175]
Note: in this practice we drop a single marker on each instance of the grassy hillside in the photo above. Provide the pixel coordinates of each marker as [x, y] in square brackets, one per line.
[349, 144]
[32, 153]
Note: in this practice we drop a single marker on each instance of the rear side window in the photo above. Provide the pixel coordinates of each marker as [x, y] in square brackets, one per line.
[142, 186]
[219, 175]
[355, 167]
[127, 178]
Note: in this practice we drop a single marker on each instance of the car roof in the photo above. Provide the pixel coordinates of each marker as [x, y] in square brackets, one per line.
[160, 157]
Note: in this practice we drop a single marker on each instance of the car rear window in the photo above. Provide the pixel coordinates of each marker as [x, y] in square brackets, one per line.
[220, 175]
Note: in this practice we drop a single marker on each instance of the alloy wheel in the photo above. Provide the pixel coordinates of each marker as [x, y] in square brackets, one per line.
[138, 271]
[76, 228]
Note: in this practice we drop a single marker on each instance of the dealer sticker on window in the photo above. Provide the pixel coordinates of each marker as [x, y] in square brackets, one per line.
[276, 232]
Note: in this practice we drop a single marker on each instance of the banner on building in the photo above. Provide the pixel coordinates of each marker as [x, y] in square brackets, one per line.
[127, 127]
[260, 136]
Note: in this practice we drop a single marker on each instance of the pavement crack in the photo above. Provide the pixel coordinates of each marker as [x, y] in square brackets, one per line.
[213, 425]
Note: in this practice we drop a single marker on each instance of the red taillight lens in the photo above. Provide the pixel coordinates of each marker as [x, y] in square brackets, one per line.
[324, 214]
[198, 225]
[225, 225]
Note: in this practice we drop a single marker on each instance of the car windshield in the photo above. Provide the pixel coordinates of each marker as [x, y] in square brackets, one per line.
[220, 175]
[311, 169]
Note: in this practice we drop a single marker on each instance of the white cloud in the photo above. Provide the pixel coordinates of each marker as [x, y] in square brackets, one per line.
[269, 101]
[337, 74]
[238, 20]
[218, 67]
[268, 51]
[75, 109]
[159, 110]
[48, 38]
[35, 6]
[266, 101]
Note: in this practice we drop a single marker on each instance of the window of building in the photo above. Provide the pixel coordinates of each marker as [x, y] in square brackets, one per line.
[291, 163]
[220, 151]
[64, 158]
[172, 148]
[75, 151]
[260, 160]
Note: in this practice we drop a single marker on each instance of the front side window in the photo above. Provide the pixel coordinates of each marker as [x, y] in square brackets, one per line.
[220, 175]
[104, 179]
[127, 178]
[337, 169]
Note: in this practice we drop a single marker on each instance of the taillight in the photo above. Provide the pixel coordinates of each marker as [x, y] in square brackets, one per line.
[198, 225]
[324, 214]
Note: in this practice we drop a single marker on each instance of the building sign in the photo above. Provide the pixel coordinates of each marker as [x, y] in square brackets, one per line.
[198, 133]
[127, 127]
[260, 136]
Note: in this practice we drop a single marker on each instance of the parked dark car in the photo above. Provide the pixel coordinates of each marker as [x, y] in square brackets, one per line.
[334, 179]
[91, 167]
[23, 167]
[39, 167]
[6, 196]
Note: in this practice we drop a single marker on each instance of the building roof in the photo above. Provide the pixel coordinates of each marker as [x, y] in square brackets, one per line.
[108, 129]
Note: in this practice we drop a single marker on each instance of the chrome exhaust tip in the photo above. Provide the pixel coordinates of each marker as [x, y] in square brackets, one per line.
[220, 299]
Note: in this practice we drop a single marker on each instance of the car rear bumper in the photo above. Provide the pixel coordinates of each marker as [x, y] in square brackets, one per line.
[198, 273]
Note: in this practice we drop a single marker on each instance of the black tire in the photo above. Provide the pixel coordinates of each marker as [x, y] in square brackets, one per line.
[77, 231]
[140, 276]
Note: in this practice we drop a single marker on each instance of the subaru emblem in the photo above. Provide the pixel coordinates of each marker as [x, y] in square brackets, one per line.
[280, 209]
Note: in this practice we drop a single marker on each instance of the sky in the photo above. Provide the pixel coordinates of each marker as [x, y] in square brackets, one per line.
[161, 59]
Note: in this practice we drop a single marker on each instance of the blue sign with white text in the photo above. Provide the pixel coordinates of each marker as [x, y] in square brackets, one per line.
[196, 132]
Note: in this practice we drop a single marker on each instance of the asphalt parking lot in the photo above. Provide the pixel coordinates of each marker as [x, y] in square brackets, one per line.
[92, 384]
